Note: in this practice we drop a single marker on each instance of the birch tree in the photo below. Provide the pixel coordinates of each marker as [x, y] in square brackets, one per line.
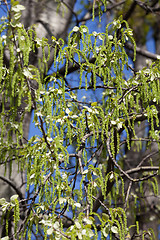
[93, 171]
[47, 18]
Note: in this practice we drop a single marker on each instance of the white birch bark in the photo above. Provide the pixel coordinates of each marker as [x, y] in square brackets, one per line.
[48, 22]
[147, 217]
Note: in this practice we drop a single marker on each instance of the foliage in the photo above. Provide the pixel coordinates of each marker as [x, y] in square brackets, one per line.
[80, 150]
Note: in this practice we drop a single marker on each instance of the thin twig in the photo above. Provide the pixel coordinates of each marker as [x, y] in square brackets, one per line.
[127, 195]
[115, 163]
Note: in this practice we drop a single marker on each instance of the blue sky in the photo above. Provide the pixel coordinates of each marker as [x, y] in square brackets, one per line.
[92, 27]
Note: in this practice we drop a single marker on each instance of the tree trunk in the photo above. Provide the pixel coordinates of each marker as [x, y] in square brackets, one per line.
[48, 21]
[146, 211]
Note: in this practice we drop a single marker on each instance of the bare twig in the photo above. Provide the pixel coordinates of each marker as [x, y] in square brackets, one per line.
[127, 195]
[115, 163]
[142, 52]
[141, 169]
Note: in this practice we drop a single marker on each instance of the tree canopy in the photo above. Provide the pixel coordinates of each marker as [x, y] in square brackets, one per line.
[93, 170]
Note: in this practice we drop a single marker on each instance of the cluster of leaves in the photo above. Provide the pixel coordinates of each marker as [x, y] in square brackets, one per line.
[63, 167]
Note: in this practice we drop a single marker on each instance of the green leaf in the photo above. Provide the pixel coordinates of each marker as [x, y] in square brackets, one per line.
[13, 198]
[85, 171]
[18, 8]
[75, 29]
[78, 225]
[27, 73]
[88, 221]
[114, 229]
[90, 233]
[62, 200]
[2, 201]
[78, 205]
[105, 217]
[56, 225]
[5, 238]
[89, 175]
[50, 231]
[5, 206]
[106, 230]
[113, 122]
[17, 16]
[93, 104]
[53, 38]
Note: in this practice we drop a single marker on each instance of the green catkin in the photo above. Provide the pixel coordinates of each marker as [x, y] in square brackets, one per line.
[81, 190]
[154, 184]
[128, 140]
[106, 181]
[93, 12]
[7, 223]
[118, 142]
[12, 58]
[32, 36]
[20, 95]
[85, 156]
[16, 214]
[150, 230]
[119, 225]
[14, 83]
[80, 76]
[61, 125]
[90, 192]
[1, 59]
[24, 236]
[112, 142]
[28, 166]
[141, 188]
[24, 44]
[137, 227]
[124, 221]
[94, 77]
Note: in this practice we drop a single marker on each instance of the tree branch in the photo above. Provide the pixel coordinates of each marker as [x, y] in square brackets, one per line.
[10, 183]
[142, 52]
